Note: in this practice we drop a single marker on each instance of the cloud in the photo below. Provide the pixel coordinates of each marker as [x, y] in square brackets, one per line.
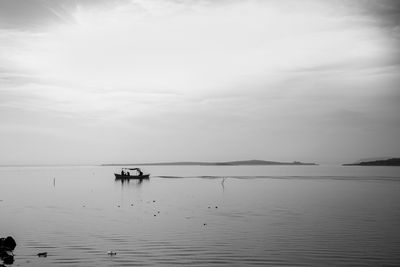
[36, 14]
[387, 12]
[22, 14]
[261, 75]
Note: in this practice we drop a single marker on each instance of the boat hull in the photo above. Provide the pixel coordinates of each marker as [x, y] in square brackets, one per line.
[129, 177]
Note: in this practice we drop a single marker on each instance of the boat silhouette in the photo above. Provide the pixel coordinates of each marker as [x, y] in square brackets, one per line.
[125, 174]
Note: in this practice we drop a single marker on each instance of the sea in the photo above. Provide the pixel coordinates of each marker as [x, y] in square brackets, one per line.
[325, 215]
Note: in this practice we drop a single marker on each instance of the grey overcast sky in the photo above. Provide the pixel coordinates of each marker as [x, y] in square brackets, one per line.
[88, 81]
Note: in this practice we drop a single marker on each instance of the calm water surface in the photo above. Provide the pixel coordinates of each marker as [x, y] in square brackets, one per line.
[214, 216]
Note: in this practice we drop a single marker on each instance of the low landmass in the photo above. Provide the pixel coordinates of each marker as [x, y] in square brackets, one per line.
[227, 163]
[384, 162]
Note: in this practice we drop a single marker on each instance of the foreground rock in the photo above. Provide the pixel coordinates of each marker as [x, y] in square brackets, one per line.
[7, 245]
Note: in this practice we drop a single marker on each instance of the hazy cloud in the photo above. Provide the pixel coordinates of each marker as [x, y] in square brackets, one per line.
[203, 80]
[34, 14]
[387, 12]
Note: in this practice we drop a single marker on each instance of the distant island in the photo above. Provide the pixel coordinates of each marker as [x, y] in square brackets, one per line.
[227, 163]
[384, 162]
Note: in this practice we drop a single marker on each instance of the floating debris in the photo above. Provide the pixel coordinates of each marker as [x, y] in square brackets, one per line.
[42, 254]
[216, 207]
[111, 253]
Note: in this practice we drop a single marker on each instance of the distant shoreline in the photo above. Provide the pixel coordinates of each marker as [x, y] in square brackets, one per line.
[227, 163]
[386, 162]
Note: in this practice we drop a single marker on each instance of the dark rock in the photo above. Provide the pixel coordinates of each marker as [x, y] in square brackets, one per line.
[9, 260]
[7, 243]
[7, 256]
[4, 253]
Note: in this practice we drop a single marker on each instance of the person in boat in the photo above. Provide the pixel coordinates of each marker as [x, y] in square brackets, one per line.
[127, 173]
[140, 172]
[122, 172]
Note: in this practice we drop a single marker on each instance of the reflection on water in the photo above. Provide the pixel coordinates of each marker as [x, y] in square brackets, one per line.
[273, 216]
[134, 182]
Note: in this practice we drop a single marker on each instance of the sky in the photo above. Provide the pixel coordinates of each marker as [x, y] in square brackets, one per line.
[96, 81]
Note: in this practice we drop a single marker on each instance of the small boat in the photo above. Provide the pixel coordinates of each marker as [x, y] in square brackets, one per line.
[125, 174]
[140, 177]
